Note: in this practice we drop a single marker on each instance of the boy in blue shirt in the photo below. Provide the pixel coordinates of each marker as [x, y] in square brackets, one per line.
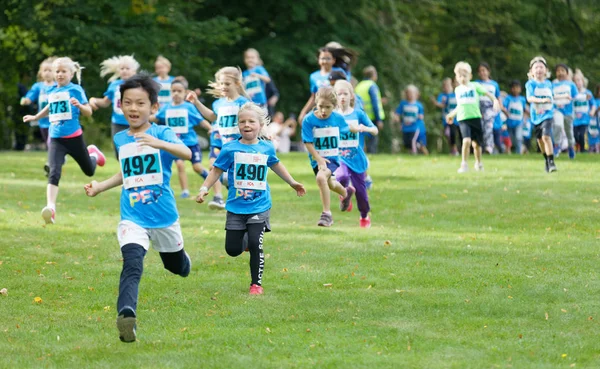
[515, 107]
[148, 209]
[410, 114]
[564, 91]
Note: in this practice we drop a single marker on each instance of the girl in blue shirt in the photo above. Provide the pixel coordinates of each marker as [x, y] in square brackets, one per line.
[246, 160]
[584, 106]
[446, 101]
[594, 127]
[162, 67]
[410, 114]
[229, 90]
[255, 77]
[491, 121]
[39, 94]
[514, 107]
[66, 101]
[354, 162]
[120, 68]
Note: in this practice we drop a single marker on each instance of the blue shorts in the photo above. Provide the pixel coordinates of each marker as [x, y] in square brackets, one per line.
[332, 166]
[214, 152]
[196, 154]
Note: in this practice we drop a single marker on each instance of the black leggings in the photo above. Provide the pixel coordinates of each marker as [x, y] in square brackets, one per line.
[75, 147]
[234, 246]
[579, 133]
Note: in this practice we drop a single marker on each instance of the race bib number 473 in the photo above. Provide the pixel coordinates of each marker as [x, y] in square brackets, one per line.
[250, 171]
[141, 166]
[59, 107]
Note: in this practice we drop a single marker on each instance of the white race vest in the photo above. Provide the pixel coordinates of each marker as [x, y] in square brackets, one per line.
[542, 92]
[515, 111]
[164, 95]
[562, 94]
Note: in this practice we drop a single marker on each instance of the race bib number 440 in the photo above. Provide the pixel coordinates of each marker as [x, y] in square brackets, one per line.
[60, 107]
[326, 141]
[177, 119]
[141, 166]
[250, 171]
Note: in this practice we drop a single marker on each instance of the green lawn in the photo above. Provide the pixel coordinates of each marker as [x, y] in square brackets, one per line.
[481, 270]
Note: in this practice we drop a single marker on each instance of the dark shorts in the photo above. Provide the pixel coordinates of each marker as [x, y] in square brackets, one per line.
[408, 138]
[196, 154]
[543, 129]
[471, 128]
[238, 222]
[214, 152]
[332, 166]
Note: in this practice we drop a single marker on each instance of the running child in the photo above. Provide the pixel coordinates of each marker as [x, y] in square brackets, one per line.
[182, 116]
[492, 124]
[229, 90]
[246, 160]
[321, 132]
[255, 78]
[564, 91]
[446, 100]
[594, 127]
[410, 114]
[515, 108]
[120, 68]
[162, 67]
[584, 107]
[148, 209]
[468, 114]
[66, 102]
[354, 162]
[539, 95]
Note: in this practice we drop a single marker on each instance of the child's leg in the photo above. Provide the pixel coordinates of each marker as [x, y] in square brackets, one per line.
[546, 145]
[133, 266]
[198, 168]
[168, 242]
[466, 148]
[342, 175]
[234, 242]
[56, 160]
[362, 198]
[498, 140]
[477, 152]
[256, 234]
[569, 130]
[323, 184]
[414, 142]
[78, 151]
[176, 262]
[183, 179]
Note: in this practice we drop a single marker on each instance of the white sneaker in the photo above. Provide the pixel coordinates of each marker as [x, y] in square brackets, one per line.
[478, 167]
[464, 167]
[49, 215]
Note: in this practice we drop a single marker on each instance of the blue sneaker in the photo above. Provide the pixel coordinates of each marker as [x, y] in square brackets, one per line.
[571, 153]
[369, 182]
[556, 151]
[185, 194]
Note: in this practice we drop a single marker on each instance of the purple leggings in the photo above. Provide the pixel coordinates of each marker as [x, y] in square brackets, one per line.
[344, 175]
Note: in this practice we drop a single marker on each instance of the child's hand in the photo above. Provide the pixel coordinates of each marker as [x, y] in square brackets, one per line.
[191, 97]
[203, 192]
[299, 187]
[504, 127]
[75, 102]
[449, 120]
[354, 128]
[92, 102]
[496, 105]
[144, 139]
[322, 164]
[25, 101]
[91, 189]
[28, 118]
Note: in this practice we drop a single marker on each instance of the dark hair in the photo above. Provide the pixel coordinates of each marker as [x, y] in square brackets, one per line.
[515, 82]
[561, 65]
[485, 65]
[182, 81]
[145, 82]
[337, 75]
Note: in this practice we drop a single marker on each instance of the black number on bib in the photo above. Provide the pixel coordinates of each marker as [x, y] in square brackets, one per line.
[138, 165]
[251, 172]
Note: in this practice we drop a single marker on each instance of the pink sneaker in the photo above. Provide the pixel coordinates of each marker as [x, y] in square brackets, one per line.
[49, 215]
[95, 152]
[256, 289]
[365, 222]
[346, 203]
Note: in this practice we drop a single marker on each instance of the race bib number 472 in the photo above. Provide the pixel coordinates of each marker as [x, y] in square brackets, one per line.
[141, 166]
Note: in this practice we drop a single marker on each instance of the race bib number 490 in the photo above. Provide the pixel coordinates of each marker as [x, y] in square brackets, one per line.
[177, 119]
[326, 141]
[141, 166]
[250, 171]
[60, 107]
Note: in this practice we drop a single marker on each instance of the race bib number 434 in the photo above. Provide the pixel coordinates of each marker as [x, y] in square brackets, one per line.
[59, 107]
[250, 171]
[141, 166]
[326, 141]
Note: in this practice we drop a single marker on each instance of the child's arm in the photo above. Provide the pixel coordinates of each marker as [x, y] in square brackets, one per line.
[96, 103]
[372, 130]
[41, 114]
[86, 109]
[495, 101]
[204, 124]
[450, 116]
[438, 104]
[309, 105]
[94, 188]
[213, 177]
[321, 162]
[283, 173]
[265, 79]
[206, 112]
[179, 150]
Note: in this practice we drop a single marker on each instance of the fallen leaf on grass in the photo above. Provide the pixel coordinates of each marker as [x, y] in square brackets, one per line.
[327, 284]
[268, 330]
[387, 243]
[51, 262]
[308, 330]
[563, 356]
[595, 200]
[37, 300]
[107, 308]
[547, 316]
[563, 310]
[369, 287]
[4, 292]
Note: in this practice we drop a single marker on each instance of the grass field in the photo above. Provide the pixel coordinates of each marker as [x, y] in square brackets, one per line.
[481, 270]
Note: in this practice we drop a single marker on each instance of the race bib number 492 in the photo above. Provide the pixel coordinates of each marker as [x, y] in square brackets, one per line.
[141, 166]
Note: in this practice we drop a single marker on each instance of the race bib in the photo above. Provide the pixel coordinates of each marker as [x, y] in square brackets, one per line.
[543, 93]
[489, 88]
[164, 95]
[177, 119]
[43, 99]
[349, 139]
[326, 141]
[60, 108]
[451, 104]
[562, 94]
[410, 114]
[466, 97]
[117, 102]
[227, 118]
[253, 85]
[141, 166]
[593, 127]
[515, 111]
[581, 104]
[250, 171]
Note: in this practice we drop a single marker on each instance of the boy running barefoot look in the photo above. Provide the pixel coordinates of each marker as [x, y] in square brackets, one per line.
[148, 210]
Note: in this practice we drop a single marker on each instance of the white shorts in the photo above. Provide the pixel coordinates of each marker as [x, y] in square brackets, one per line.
[168, 239]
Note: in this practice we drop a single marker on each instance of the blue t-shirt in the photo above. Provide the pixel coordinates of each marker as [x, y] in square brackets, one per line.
[164, 95]
[225, 127]
[516, 107]
[410, 115]
[358, 103]
[325, 135]
[562, 91]
[582, 107]
[146, 197]
[540, 112]
[181, 118]
[352, 143]
[318, 80]
[247, 167]
[114, 95]
[594, 127]
[64, 117]
[527, 129]
[255, 87]
[39, 95]
[449, 102]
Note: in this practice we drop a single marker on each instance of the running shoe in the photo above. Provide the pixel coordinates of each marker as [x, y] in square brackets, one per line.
[256, 289]
[217, 203]
[95, 152]
[49, 215]
[365, 222]
[126, 327]
[346, 203]
[326, 220]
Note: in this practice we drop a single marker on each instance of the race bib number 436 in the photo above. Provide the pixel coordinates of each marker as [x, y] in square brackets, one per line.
[326, 141]
[177, 119]
[60, 108]
[141, 166]
[250, 171]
